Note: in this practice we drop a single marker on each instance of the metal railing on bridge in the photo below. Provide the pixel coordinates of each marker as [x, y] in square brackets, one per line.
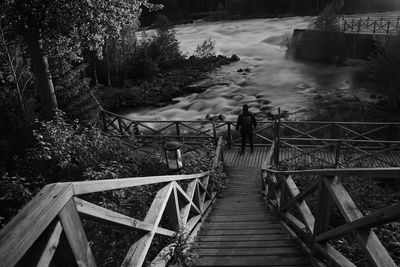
[389, 25]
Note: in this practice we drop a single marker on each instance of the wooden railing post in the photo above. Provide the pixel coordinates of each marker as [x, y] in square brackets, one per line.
[323, 212]
[178, 130]
[277, 123]
[120, 126]
[337, 153]
[229, 135]
[103, 120]
[215, 133]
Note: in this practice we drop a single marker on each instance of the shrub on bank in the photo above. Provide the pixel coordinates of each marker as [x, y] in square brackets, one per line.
[382, 69]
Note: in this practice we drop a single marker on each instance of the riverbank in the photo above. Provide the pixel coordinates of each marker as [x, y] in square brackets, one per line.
[161, 89]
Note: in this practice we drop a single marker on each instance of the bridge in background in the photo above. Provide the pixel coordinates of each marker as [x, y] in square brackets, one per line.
[263, 220]
[375, 25]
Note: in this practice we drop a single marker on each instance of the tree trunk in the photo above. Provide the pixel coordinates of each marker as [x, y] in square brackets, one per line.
[95, 78]
[108, 64]
[40, 68]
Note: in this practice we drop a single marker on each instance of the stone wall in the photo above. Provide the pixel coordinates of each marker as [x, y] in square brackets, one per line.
[333, 47]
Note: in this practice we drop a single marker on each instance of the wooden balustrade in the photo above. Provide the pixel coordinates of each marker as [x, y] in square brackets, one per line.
[313, 229]
[50, 225]
[372, 25]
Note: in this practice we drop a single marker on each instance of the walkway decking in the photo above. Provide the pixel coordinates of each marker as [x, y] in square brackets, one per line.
[255, 159]
[241, 232]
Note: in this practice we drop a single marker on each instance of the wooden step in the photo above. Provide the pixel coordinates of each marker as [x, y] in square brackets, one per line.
[240, 231]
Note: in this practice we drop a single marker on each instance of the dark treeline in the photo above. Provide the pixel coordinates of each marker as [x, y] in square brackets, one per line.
[180, 10]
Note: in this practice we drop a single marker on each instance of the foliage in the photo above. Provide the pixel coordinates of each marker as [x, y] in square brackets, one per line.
[155, 52]
[68, 151]
[205, 49]
[178, 251]
[327, 20]
[382, 68]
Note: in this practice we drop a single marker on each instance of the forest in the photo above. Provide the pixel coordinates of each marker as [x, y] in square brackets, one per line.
[181, 10]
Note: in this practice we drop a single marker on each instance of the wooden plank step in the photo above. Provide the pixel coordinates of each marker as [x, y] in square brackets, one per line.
[238, 238]
[240, 232]
[253, 261]
[245, 244]
[241, 226]
[240, 218]
[255, 251]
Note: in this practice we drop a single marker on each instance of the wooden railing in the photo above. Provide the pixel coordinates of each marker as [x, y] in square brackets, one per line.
[51, 222]
[313, 229]
[372, 25]
[355, 140]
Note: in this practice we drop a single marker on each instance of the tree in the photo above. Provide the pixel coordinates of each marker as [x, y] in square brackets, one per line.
[50, 25]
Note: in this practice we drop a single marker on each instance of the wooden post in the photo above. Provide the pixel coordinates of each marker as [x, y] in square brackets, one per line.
[352, 25]
[103, 119]
[359, 26]
[178, 131]
[284, 193]
[323, 212]
[215, 133]
[277, 140]
[75, 234]
[367, 22]
[121, 130]
[398, 24]
[337, 154]
[374, 31]
[229, 135]
[388, 27]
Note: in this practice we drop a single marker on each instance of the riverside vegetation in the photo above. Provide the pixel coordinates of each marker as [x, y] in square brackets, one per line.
[93, 56]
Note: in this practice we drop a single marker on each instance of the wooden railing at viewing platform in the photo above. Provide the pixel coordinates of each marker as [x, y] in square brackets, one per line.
[50, 225]
[355, 140]
[389, 25]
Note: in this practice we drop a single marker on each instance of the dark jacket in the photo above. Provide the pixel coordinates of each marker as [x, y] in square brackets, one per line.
[246, 121]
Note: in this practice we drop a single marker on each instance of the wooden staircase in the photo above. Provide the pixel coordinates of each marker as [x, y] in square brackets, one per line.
[241, 232]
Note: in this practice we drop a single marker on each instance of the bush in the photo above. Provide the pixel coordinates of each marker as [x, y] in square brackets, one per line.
[68, 151]
[327, 20]
[156, 52]
[205, 49]
[383, 68]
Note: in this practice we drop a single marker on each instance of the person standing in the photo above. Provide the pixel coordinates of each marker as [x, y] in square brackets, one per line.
[246, 122]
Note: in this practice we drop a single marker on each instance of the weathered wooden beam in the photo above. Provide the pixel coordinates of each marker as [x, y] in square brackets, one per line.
[76, 236]
[86, 187]
[137, 252]
[97, 213]
[305, 211]
[24, 229]
[382, 216]
[369, 242]
[335, 256]
[302, 195]
[364, 172]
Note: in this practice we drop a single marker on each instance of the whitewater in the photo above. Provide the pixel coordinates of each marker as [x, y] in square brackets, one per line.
[265, 78]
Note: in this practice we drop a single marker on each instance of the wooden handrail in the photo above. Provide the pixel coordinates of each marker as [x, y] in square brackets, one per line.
[282, 195]
[34, 234]
[364, 172]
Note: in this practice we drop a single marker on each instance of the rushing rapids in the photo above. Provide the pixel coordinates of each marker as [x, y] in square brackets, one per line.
[265, 78]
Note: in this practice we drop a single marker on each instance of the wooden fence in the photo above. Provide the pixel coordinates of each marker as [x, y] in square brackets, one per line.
[356, 140]
[372, 25]
[50, 224]
[313, 229]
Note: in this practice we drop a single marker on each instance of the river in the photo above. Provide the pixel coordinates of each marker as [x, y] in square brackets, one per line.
[265, 78]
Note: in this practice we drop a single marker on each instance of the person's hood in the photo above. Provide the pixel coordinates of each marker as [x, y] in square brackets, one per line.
[245, 108]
